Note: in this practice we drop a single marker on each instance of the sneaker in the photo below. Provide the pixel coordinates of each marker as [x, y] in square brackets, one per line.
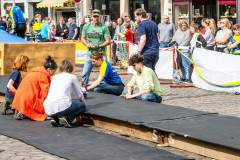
[66, 123]
[55, 122]
[3, 107]
[18, 115]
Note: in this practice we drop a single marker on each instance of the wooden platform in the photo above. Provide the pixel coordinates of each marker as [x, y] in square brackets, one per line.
[210, 135]
[36, 53]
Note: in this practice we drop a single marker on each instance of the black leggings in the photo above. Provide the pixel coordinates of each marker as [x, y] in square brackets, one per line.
[20, 29]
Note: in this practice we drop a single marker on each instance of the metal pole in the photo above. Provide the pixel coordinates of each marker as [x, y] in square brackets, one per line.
[218, 14]
[238, 11]
[13, 3]
[190, 11]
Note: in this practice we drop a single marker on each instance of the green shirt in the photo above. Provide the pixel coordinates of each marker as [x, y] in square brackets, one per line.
[147, 81]
[95, 35]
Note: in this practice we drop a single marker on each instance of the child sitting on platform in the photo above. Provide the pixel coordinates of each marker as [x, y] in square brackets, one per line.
[144, 84]
[108, 81]
[15, 78]
[59, 102]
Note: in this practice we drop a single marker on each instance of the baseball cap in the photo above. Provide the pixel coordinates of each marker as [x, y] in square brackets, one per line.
[96, 12]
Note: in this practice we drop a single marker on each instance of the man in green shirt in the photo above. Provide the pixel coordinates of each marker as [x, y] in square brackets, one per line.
[144, 84]
[96, 36]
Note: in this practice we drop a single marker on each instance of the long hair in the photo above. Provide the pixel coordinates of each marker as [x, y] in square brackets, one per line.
[212, 26]
[20, 63]
[195, 28]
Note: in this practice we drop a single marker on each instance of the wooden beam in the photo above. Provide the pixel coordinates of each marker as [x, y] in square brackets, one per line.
[162, 137]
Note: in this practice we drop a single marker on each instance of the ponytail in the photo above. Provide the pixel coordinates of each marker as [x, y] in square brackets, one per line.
[50, 63]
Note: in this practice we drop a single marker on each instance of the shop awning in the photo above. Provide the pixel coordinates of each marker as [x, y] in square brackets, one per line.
[53, 3]
[181, 2]
[227, 2]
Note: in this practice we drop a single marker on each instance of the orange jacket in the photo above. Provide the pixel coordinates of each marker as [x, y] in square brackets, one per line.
[31, 94]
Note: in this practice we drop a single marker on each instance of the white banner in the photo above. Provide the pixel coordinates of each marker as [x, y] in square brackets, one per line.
[217, 69]
[164, 66]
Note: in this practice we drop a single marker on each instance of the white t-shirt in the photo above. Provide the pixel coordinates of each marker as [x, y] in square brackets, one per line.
[59, 96]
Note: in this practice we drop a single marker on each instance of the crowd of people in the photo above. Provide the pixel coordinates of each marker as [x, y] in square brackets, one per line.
[52, 97]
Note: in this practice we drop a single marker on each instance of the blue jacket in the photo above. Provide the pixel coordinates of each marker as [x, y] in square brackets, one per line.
[17, 16]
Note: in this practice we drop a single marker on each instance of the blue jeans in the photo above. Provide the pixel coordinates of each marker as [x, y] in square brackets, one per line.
[185, 67]
[150, 61]
[110, 89]
[77, 108]
[87, 69]
[164, 45]
[152, 97]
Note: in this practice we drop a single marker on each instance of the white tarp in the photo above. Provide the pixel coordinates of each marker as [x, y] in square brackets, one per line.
[164, 66]
[215, 67]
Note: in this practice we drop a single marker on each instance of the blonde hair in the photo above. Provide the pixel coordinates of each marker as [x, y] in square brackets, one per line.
[20, 63]
[212, 26]
[97, 55]
[226, 21]
[196, 30]
[182, 22]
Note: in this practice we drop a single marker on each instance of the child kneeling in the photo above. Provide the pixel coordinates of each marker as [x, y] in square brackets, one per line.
[144, 84]
[59, 101]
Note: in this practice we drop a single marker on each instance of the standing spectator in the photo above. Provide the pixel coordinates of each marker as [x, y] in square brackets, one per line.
[96, 37]
[113, 28]
[4, 18]
[234, 44]
[82, 20]
[148, 45]
[115, 37]
[53, 30]
[27, 34]
[223, 37]
[128, 33]
[166, 31]
[3, 24]
[197, 40]
[37, 26]
[209, 34]
[18, 20]
[72, 30]
[122, 54]
[114, 45]
[218, 27]
[62, 29]
[203, 30]
[181, 36]
[46, 30]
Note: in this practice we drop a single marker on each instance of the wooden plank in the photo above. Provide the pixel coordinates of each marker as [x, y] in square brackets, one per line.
[167, 139]
[37, 53]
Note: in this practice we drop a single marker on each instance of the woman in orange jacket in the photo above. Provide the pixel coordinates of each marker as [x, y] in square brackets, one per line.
[32, 92]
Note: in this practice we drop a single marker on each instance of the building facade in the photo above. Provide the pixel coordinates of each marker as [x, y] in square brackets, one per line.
[191, 10]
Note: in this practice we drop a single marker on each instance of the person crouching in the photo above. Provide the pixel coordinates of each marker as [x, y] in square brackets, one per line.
[59, 102]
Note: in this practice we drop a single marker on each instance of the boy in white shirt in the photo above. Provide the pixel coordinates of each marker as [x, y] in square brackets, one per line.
[59, 102]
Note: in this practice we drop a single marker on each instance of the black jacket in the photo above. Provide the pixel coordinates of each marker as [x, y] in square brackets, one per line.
[60, 30]
[201, 42]
[4, 24]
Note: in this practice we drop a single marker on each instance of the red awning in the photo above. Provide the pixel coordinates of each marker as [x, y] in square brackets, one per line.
[181, 2]
[227, 2]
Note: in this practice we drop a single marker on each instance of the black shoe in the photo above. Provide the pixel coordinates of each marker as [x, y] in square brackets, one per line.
[66, 123]
[55, 123]
[3, 107]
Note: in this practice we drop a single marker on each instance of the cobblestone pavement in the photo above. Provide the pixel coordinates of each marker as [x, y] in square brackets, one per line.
[192, 98]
